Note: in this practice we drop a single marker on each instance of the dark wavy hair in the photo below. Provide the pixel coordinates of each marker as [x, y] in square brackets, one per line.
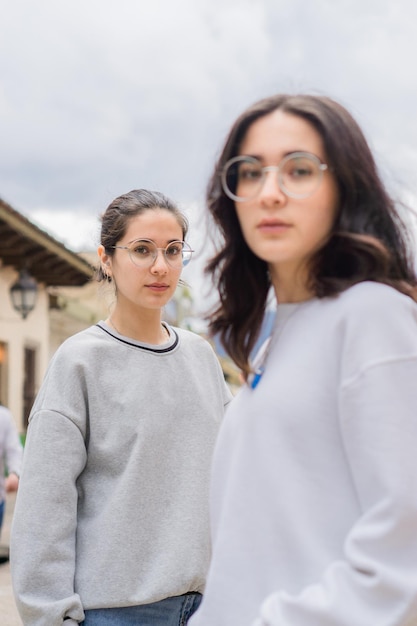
[368, 242]
[115, 219]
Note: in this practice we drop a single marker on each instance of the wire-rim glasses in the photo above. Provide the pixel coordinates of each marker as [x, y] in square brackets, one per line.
[144, 252]
[299, 175]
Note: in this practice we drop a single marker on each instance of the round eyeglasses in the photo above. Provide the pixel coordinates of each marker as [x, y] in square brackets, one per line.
[299, 175]
[144, 252]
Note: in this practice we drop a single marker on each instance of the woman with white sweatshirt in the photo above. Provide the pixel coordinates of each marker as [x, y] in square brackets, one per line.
[314, 486]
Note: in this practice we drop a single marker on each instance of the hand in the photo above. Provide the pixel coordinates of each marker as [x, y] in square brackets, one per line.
[11, 483]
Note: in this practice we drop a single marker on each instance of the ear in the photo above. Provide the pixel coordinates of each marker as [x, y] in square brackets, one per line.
[105, 271]
[105, 259]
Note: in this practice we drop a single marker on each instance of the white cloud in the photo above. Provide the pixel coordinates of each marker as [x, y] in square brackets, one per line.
[77, 231]
[119, 95]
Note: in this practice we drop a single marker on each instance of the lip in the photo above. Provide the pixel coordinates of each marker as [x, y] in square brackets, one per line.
[158, 287]
[273, 225]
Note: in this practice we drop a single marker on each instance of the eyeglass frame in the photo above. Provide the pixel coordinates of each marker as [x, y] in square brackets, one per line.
[163, 250]
[271, 168]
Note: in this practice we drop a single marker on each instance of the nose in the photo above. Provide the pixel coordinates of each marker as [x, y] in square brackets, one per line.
[271, 192]
[160, 265]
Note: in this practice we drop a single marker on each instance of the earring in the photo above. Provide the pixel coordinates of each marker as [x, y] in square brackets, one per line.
[106, 276]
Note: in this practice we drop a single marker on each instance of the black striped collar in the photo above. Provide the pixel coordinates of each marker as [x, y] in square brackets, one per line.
[173, 340]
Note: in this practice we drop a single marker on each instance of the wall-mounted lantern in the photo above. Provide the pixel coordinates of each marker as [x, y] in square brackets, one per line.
[23, 293]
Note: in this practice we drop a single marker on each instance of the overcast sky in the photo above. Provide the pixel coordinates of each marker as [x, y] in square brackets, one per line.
[98, 97]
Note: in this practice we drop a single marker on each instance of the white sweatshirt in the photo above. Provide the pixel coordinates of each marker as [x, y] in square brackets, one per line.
[314, 486]
[112, 508]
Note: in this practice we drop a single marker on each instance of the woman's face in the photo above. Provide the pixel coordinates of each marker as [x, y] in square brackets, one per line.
[285, 231]
[148, 287]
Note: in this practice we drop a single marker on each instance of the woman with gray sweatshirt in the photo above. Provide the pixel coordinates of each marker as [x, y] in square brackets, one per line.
[111, 520]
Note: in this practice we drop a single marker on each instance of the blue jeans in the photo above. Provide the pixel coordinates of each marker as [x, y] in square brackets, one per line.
[174, 611]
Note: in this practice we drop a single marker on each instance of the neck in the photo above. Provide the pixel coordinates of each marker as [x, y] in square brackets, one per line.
[146, 329]
[290, 287]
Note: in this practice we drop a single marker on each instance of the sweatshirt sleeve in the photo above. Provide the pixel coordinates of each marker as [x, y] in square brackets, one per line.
[43, 532]
[376, 580]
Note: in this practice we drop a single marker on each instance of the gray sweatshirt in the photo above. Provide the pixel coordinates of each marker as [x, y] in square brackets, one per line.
[112, 508]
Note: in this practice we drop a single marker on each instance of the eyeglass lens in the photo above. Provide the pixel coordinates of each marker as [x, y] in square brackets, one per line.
[298, 176]
[144, 253]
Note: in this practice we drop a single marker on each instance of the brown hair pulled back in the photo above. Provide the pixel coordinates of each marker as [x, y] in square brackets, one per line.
[115, 219]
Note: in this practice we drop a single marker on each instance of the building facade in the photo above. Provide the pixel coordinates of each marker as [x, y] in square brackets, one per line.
[28, 339]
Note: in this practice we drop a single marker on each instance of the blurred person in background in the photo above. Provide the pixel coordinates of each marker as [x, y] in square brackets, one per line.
[10, 458]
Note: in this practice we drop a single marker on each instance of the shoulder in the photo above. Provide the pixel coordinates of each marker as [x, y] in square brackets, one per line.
[197, 347]
[72, 370]
[374, 295]
[373, 305]
[376, 322]
[188, 337]
[78, 350]
[82, 341]
[366, 306]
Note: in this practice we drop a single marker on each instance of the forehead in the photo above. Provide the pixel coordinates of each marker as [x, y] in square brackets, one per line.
[278, 133]
[156, 224]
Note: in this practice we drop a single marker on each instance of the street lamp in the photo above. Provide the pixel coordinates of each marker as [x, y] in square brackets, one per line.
[23, 293]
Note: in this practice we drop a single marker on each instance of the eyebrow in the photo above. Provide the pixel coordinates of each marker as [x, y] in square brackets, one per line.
[151, 240]
[287, 153]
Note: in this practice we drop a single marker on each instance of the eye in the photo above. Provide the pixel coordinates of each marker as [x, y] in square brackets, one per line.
[174, 249]
[300, 169]
[249, 172]
[300, 172]
[141, 248]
